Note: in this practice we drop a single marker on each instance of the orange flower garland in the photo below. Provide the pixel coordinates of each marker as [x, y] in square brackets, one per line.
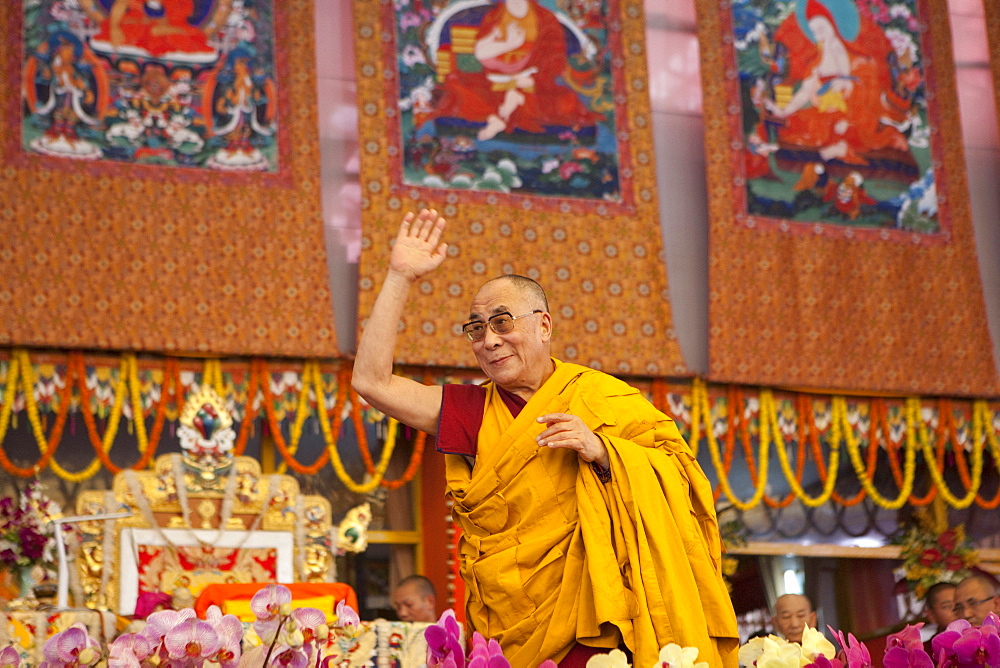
[55, 437]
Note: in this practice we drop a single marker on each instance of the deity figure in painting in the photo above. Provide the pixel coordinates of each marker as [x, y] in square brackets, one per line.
[65, 85]
[505, 68]
[837, 101]
[157, 28]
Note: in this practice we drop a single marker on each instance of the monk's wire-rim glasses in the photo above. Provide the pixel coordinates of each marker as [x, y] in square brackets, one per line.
[501, 323]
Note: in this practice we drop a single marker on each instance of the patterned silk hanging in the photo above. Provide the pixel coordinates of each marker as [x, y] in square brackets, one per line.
[841, 244]
[526, 123]
[159, 178]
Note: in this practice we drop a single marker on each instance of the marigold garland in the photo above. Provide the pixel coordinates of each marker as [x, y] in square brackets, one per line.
[249, 415]
[110, 431]
[891, 452]
[279, 439]
[49, 449]
[769, 418]
[841, 428]
[701, 406]
[301, 413]
[930, 443]
[922, 441]
[980, 409]
[415, 458]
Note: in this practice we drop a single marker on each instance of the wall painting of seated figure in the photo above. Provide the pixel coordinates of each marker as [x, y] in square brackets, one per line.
[833, 117]
[187, 83]
[509, 96]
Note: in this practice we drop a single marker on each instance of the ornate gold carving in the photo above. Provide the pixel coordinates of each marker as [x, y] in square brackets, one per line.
[206, 511]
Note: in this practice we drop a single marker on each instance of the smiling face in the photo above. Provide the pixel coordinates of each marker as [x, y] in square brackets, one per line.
[518, 361]
[792, 614]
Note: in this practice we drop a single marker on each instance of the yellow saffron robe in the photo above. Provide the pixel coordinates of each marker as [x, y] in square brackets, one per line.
[551, 556]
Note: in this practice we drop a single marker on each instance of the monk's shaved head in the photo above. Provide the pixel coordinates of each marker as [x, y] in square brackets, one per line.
[532, 291]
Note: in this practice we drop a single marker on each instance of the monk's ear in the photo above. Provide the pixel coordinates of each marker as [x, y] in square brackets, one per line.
[546, 325]
[812, 619]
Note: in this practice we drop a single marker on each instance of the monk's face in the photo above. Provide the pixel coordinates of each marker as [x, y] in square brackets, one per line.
[519, 360]
[974, 600]
[939, 610]
[412, 605]
[792, 614]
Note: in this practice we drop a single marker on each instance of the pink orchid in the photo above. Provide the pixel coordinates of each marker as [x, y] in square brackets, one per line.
[908, 638]
[289, 657]
[9, 657]
[486, 654]
[230, 632]
[272, 600]
[978, 646]
[192, 640]
[312, 623]
[347, 619]
[72, 647]
[855, 652]
[943, 643]
[906, 650]
[128, 650]
[444, 643]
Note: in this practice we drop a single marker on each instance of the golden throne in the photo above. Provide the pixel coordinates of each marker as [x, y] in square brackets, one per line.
[199, 517]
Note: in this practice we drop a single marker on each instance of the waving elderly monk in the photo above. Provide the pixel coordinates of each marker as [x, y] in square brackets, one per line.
[587, 524]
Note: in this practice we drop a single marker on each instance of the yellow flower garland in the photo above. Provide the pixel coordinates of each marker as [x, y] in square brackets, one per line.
[302, 410]
[109, 433]
[913, 418]
[21, 377]
[212, 375]
[841, 428]
[10, 393]
[331, 443]
[142, 440]
[982, 410]
[769, 416]
[701, 406]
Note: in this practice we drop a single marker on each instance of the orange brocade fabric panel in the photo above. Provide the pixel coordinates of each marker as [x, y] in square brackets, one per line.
[217, 594]
[844, 257]
[138, 255]
[563, 191]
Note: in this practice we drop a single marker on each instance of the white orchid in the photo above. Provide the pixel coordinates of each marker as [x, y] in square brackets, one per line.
[613, 659]
[814, 643]
[675, 656]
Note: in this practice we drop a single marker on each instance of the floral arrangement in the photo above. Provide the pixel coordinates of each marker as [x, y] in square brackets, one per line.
[445, 650]
[26, 536]
[930, 557]
[961, 645]
[280, 636]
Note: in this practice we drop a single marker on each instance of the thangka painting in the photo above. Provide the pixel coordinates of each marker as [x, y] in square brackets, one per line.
[188, 83]
[832, 117]
[526, 123]
[170, 149]
[510, 97]
[841, 246]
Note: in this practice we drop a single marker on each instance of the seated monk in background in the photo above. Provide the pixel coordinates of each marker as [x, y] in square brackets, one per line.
[586, 521]
[522, 49]
[845, 89]
[157, 26]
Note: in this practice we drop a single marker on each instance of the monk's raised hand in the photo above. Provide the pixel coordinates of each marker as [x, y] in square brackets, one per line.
[564, 430]
[418, 249]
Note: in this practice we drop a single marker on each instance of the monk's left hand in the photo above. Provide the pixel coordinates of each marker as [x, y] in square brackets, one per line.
[568, 431]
